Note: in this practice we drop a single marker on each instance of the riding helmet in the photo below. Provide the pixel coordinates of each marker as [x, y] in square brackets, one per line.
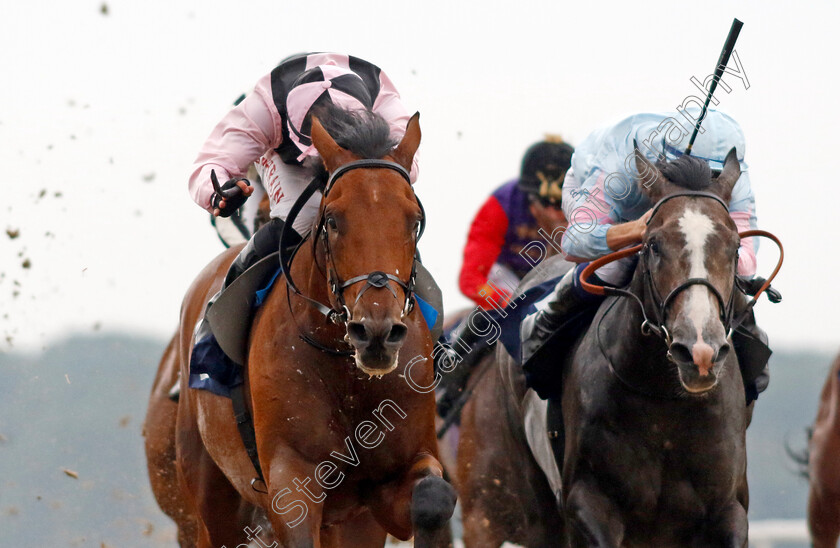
[543, 168]
[319, 86]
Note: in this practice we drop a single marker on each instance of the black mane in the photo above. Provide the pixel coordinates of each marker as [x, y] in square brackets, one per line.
[362, 132]
[687, 172]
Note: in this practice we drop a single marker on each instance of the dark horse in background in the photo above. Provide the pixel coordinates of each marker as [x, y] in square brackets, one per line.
[504, 493]
[654, 421]
[824, 465]
[347, 447]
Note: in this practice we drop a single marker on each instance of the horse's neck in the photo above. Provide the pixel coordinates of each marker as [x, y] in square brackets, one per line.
[638, 360]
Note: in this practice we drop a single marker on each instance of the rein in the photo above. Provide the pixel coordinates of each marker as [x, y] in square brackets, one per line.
[657, 326]
[376, 279]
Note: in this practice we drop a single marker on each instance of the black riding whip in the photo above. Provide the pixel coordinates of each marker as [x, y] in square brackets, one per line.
[725, 53]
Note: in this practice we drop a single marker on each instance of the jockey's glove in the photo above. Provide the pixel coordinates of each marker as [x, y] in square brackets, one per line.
[232, 195]
[750, 286]
[500, 297]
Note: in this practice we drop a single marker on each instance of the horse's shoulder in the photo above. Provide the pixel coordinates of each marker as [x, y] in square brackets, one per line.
[596, 344]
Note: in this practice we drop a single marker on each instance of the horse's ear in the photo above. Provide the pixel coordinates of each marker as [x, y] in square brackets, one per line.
[725, 182]
[651, 181]
[331, 153]
[405, 151]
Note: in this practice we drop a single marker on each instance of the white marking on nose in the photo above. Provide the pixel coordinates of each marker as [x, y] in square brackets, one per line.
[696, 228]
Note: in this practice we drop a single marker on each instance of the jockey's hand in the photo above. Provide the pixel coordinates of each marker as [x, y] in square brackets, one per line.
[499, 296]
[230, 196]
[629, 233]
[642, 223]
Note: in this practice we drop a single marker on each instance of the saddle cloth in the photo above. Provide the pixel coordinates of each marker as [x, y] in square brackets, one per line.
[541, 371]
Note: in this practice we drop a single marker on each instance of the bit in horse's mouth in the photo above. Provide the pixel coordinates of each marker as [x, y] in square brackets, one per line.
[699, 391]
[681, 366]
[376, 371]
[695, 391]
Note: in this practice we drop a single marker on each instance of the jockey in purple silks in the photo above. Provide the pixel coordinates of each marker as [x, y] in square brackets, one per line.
[497, 244]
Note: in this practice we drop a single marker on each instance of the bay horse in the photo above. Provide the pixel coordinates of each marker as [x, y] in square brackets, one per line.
[653, 410]
[504, 493]
[824, 465]
[347, 446]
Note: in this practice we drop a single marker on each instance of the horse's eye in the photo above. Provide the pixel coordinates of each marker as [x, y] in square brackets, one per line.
[331, 224]
[654, 247]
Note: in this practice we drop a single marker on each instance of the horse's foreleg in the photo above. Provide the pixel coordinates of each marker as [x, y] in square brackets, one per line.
[432, 504]
[731, 530]
[296, 502]
[420, 503]
[159, 433]
[221, 514]
[361, 531]
[592, 519]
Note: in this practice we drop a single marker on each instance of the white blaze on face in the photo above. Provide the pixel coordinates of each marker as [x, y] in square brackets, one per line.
[696, 228]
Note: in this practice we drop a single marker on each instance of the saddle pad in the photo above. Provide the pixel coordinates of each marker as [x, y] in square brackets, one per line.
[431, 302]
[517, 310]
[230, 316]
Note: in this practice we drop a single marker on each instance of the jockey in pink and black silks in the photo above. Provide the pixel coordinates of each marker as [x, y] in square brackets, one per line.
[270, 128]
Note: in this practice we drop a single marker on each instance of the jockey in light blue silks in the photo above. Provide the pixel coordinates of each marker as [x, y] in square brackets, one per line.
[607, 211]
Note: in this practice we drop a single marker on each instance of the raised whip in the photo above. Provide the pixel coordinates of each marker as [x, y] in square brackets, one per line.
[725, 53]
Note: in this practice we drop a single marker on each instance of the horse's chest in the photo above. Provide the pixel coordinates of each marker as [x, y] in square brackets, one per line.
[654, 464]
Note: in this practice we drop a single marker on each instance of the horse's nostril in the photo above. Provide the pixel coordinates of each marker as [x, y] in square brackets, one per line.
[722, 353]
[681, 353]
[357, 331]
[397, 333]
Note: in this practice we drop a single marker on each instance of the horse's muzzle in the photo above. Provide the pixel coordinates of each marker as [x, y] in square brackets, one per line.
[698, 363]
[377, 343]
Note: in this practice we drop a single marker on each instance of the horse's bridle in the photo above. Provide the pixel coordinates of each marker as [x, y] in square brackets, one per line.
[660, 306]
[376, 279]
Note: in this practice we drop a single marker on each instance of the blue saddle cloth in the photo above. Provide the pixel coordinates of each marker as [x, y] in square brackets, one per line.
[211, 369]
[541, 371]
[525, 306]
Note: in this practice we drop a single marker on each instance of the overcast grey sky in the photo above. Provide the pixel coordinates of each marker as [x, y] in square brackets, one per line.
[102, 114]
